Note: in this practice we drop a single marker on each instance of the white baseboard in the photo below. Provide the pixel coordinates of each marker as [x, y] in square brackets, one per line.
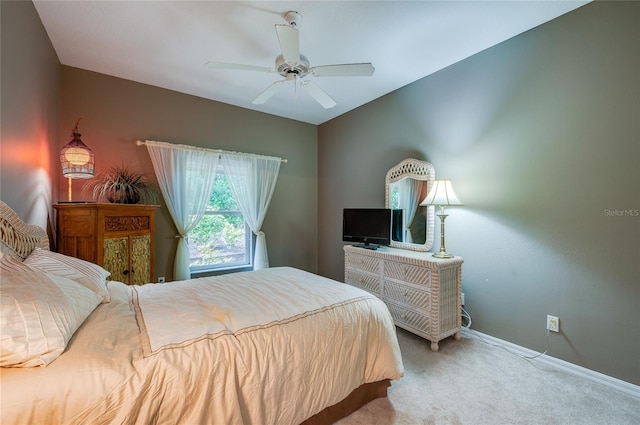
[570, 368]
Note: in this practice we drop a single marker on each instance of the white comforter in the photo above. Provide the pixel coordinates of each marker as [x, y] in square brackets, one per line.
[274, 346]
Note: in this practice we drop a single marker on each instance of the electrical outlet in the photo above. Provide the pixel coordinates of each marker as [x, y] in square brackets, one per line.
[553, 324]
[462, 298]
[161, 279]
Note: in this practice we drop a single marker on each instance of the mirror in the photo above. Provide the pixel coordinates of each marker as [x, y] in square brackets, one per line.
[406, 185]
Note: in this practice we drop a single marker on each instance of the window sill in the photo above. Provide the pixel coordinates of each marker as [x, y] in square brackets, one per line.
[221, 271]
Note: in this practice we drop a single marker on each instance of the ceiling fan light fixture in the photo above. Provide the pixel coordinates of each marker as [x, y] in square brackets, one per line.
[284, 68]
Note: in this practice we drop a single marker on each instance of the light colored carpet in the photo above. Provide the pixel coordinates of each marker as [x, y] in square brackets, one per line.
[472, 382]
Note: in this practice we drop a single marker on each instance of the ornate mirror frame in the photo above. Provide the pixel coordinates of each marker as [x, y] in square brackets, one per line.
[418, 170]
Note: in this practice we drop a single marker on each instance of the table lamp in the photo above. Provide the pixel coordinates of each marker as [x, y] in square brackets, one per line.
[441, 194]
[77, 159]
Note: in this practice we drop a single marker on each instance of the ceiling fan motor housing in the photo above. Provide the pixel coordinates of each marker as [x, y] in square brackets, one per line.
[285, 68]
[293, 18]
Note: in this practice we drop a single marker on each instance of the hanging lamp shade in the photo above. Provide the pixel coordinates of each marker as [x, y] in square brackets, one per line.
[77, 159]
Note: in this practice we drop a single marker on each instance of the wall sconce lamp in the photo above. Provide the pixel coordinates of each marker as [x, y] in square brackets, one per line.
[442, 194]
[77, 159]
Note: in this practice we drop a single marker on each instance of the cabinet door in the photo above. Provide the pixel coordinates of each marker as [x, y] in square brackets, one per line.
[76, 233]
[140, 259]
[116, 258]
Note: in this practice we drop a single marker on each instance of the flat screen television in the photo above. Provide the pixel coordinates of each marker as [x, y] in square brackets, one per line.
[367, 227]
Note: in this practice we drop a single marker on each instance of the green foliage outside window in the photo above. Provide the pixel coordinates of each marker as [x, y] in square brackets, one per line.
[395, 201]
[220, 238]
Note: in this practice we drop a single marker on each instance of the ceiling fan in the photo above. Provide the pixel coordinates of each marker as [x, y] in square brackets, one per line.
[294, 66]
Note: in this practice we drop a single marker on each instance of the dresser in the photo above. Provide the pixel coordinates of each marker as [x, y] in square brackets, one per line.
[118, 237]
[422, 292]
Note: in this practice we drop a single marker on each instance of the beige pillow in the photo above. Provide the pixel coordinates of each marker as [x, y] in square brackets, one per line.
[85, 273]
[39, 314]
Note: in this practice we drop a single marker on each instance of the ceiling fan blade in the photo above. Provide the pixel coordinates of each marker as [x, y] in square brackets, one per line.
[344, 70]
[224, 65]
[289, 43]
[318, 94]
[268, 92]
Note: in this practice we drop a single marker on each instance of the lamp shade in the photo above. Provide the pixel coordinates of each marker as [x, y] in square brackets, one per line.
[77, 159]
[441, 194]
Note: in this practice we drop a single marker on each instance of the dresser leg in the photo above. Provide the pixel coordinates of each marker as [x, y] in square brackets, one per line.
[457, 336]
[434, 346]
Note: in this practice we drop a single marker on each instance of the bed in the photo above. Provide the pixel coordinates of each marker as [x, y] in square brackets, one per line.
[276, 346]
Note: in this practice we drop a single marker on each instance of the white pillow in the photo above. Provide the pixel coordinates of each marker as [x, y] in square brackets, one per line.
[39, 314]
[85, 273]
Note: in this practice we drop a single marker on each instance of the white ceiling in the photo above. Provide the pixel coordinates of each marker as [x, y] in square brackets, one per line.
[167, 43]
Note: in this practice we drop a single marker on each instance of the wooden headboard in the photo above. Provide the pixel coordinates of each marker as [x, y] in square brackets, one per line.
[18, 238]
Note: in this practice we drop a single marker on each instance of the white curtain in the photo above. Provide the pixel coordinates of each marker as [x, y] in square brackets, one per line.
[252, 181]
[409, 200]
[186, 178]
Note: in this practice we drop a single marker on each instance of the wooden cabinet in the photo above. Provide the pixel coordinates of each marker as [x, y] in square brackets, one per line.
[118, 237]
[422, 292]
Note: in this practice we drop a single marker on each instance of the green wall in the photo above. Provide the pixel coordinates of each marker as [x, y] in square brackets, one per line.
[541, 138]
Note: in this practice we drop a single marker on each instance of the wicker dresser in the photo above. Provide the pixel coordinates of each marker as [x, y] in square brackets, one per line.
[118, 237]
[422, 292]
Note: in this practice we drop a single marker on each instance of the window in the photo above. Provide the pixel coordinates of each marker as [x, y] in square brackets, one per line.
[222, 239]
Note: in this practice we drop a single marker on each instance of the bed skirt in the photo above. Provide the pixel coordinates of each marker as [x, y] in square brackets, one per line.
[354, 401]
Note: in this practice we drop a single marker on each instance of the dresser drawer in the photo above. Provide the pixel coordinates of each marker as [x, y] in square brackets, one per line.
[408, 273]
[363, 280]
[407, 317]
[364, 263]
[409, 295]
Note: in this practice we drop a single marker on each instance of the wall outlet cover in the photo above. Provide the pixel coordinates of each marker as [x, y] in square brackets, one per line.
[553, 324]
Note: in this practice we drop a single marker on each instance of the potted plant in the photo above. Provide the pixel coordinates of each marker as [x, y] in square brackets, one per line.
[122, 184]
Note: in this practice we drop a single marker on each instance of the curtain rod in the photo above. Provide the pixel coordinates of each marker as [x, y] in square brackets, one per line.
[218, 151]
